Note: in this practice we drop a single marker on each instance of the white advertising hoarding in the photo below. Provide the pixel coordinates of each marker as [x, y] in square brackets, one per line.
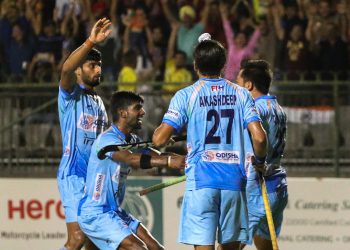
[317, 216]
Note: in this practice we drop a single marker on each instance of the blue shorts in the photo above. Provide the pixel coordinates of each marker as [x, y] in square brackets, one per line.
[108, 230]
[209, 212]
[257, 216]
[71, 190]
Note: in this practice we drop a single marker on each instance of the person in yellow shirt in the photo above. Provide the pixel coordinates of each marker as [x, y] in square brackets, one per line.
[175, 67]
[127, 76]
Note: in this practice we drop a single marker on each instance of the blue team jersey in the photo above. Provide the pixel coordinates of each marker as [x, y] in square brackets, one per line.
[274, 121]
[82, 118]
[216, 112]
[105, 181]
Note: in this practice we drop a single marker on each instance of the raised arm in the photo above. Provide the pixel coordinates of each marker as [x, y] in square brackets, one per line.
[168, 15]
[99, 33]
[226, 25]
[172, 41]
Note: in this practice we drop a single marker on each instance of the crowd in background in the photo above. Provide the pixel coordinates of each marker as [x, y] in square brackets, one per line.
[153, 40]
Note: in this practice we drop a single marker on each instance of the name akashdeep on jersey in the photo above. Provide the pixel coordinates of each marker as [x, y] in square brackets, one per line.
[216, 112]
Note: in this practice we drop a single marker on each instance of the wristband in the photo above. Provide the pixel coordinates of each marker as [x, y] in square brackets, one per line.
[88, 43]
[145, 161]
[260, 160]
[169, 160]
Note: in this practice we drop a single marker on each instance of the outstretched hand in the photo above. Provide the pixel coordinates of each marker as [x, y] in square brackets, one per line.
[100, 31]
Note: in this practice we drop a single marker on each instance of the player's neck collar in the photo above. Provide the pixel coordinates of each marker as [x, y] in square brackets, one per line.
[265, 97]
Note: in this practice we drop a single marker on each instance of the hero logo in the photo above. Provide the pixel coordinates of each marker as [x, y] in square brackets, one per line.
[221, 156]
[216, 88]
[100, 178]
[172, 113]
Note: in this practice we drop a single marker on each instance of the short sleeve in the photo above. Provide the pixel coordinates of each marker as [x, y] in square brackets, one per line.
[250, 113]
[176, 115]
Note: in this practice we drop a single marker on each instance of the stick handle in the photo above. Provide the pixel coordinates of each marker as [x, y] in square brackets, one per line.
[269, 214]
[121, 147]
[163, 185]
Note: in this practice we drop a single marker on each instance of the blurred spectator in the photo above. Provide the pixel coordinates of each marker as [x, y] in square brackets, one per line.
[213, 25]
[189, 30]
[69, 31]
[63, 7]
[291, 16]
[272, 35]
[136, 22]
[175, 68]
[157, 47]
[19, 54]
[296, 56]
[238, 47]
[110, 48]
[332, 51]
[127, 73]
[10, 15]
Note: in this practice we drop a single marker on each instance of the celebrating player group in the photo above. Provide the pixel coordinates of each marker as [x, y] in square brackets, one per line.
[235, 141]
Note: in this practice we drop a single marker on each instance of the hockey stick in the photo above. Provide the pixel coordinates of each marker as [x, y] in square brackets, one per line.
[121, 147]
[268, 213]
[267, 206]
[162, 185]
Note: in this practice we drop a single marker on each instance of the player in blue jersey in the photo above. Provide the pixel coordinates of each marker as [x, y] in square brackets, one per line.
[216, 111]
[256, 76]
[82, 118]
[100, 214]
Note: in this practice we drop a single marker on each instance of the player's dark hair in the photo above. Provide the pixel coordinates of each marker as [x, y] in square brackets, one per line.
[93, 55]
[121, 100]
[210, 57]
[258, 72]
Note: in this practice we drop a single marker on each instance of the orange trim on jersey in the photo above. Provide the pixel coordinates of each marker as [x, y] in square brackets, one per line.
[193, 96]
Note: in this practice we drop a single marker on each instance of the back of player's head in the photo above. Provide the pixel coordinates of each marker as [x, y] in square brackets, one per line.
[209, 57]
[93, 55]
[121, 100]
[258, 72]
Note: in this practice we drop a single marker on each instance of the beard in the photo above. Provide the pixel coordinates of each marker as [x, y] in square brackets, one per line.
[92, 83]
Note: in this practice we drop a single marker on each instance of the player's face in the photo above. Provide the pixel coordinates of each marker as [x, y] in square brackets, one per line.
[135, 114]
[91, 73]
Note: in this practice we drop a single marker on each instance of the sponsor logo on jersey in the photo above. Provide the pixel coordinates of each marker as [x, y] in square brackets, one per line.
[221, 156]
[99, 181]
[215, 88]
[90, 123]
[172, 113]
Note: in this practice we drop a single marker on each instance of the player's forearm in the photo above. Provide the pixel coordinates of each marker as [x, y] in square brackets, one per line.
[77, 57]
[146, 161]
[259, 139]
[162, 134]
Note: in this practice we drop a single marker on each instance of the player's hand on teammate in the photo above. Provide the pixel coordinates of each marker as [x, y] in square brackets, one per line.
[260, 167]
[100, 31]
[176, 161]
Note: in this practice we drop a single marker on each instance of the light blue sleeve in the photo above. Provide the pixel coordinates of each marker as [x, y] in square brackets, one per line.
[176, 116]
[250, 113]
[64, 97]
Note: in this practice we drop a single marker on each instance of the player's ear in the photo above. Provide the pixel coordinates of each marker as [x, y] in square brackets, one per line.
[249, 85]
[123, 113]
